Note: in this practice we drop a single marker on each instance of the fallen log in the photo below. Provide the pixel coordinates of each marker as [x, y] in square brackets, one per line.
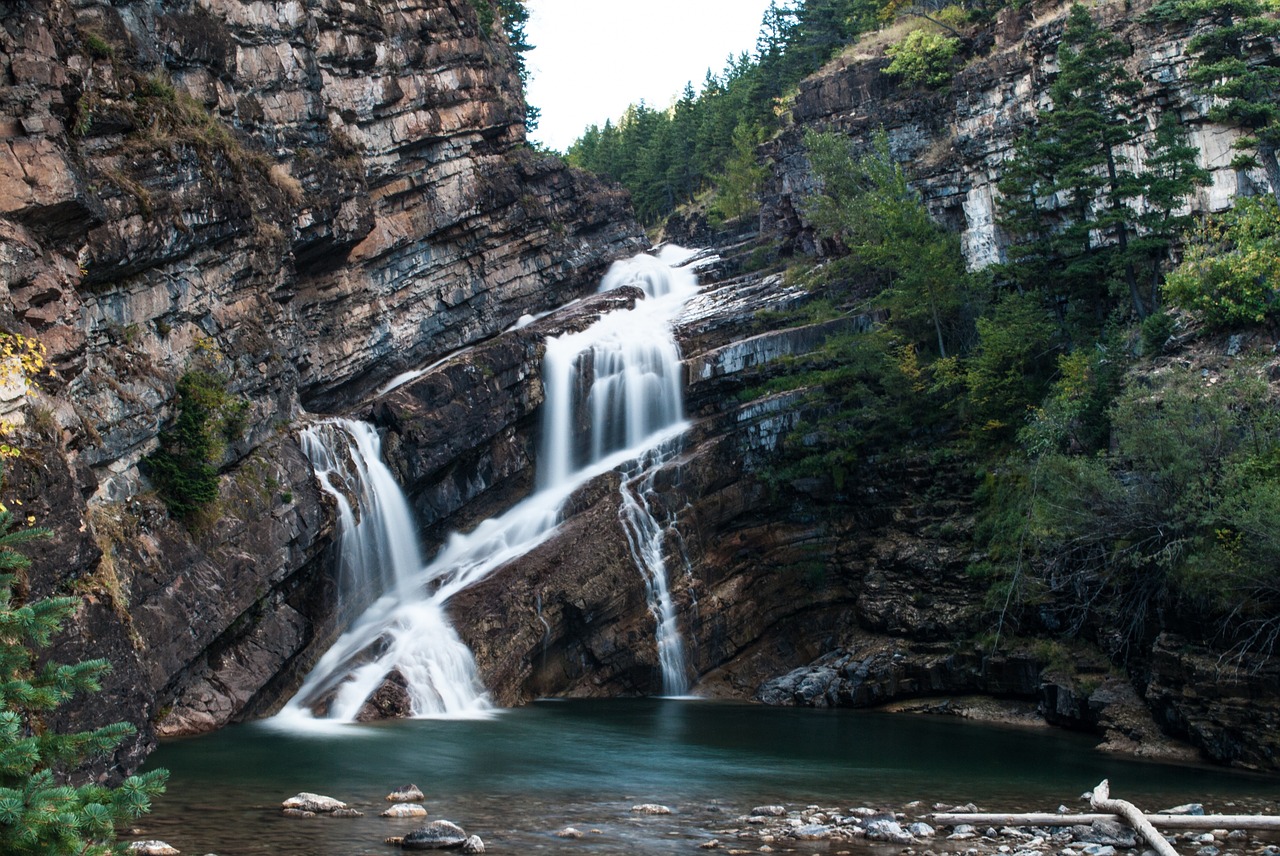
[1101, 800]
[1162, 821]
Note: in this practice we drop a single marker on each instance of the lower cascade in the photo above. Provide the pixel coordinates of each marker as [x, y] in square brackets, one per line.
[623, 375]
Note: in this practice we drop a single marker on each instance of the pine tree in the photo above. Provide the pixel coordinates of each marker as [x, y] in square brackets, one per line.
[1076, 154]
[40, 813]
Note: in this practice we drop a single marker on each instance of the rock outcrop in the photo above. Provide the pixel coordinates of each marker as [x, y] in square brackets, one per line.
[954, 140]
[303, 199]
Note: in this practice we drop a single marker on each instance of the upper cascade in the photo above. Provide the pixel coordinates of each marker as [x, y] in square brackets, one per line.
[623, 377]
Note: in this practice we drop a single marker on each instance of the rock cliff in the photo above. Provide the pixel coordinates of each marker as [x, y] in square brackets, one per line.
[303, 199]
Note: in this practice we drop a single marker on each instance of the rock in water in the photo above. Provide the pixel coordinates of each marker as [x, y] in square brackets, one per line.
[390, 701]
[436, 835]
[473, 845]
[768, 811]
[405, 810]
[313, 802]
[153, 848]
[407, 793]
[650, 808]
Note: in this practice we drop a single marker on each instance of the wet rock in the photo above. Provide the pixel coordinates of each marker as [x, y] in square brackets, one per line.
[390, 701]
[811, 832]
[405, 810]
[650, 808]
[152, 848]
[769, 811]
[297, 813]
[710, 845]
[436, 835]
[346, 812]
[406, 793]
[569, 832]
[473, 845]
[314, 803]
[888, 830]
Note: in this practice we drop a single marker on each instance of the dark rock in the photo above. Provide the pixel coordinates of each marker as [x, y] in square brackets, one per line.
[436, 835]
[390, 701]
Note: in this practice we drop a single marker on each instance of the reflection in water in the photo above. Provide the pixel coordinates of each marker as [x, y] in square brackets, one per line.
[517, 778]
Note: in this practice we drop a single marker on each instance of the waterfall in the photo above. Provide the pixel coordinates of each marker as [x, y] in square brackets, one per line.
[622, 376]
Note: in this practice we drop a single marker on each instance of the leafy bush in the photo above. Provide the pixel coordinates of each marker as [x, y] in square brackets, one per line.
[1231, 271]
[40, 813]
[923, 58]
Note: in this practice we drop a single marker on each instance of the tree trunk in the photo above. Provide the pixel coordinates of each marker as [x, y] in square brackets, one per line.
[1101, 800]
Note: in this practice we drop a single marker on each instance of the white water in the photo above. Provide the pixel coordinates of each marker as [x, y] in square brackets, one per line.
[623, 375]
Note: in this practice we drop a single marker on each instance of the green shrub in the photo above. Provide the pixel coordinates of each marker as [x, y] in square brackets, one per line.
[924, 58]
[184, 469]
[1231, 272]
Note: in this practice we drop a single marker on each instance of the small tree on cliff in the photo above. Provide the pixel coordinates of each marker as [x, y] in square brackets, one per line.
[39, 812]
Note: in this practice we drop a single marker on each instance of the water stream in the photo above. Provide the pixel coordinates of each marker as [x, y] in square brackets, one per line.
[613, 395]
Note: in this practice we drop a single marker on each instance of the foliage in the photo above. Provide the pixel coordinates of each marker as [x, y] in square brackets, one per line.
[923, 58]
[1231, 271]
[742, 176]
[1183, 509]
[868, 205]
[1009, 371]
[184, 469]
[39, 812]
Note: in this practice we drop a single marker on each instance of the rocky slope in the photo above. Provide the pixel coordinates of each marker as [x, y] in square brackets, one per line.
[303, 199]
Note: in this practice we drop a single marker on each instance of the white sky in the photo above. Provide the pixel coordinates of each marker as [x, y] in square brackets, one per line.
[591, 58]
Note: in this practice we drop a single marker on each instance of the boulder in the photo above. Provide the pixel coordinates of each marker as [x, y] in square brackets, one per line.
[153, 848]
[436, 835]
[473, 844]
[405, 810]
[389, 701]
[313, 803]
[406, 794]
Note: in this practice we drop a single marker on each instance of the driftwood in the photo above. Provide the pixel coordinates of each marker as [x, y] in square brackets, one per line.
[1160, 821]
[1117, 811]
[1101, 800]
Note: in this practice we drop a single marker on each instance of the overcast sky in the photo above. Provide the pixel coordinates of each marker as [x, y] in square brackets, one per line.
[591, 58]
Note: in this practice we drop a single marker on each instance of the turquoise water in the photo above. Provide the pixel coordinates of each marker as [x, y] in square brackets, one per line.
[518, 777]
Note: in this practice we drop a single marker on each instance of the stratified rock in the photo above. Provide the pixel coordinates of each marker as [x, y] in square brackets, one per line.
[650, 808]
[390, 701]
[406, 793]
[306, 801]
[436, 835]
[153, 848]
[405, 810]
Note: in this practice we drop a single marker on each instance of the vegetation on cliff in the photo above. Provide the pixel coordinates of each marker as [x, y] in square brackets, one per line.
[1120, 492]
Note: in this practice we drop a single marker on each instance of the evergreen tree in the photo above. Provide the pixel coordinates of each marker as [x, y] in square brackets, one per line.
[1076, 154]
[40, 813]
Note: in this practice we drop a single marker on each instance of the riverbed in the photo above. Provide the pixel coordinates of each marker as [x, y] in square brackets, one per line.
[518, 777]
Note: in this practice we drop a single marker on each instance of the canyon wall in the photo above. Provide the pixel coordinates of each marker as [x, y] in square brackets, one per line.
[299, 199]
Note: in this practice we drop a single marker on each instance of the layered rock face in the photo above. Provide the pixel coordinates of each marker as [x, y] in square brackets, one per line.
[955, 140]
[301, 198]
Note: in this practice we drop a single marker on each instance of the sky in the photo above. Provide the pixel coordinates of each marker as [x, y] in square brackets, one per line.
[591, 58]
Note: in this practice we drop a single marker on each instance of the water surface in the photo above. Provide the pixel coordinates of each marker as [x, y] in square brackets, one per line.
[518, 777]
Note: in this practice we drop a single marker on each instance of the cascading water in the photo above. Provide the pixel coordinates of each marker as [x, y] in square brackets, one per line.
[622, 376]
